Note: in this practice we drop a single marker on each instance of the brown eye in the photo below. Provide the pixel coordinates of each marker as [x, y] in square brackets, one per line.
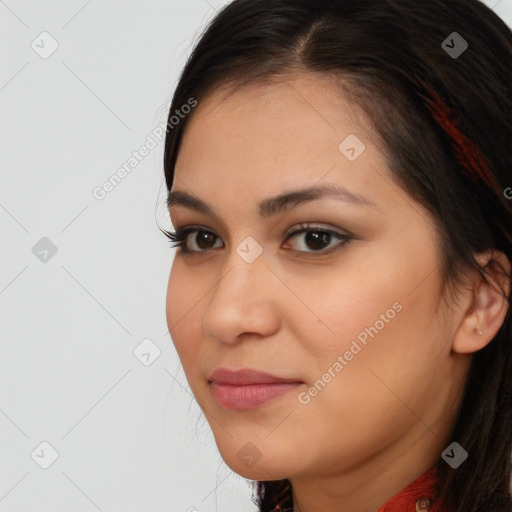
[200, 240]
[182, 239]
[317, 239]
[204, 239]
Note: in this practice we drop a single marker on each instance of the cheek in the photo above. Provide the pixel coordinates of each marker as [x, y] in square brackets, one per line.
[362, 309]
[382, 356]
[383, 303]
[373, 323]
[183, 305]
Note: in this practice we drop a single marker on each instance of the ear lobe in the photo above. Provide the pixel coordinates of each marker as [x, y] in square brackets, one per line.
[489, 306]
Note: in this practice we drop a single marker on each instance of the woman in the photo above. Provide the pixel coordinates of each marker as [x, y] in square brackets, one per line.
[340, 297]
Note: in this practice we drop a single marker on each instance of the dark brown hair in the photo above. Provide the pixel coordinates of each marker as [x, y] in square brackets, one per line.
[445, 123]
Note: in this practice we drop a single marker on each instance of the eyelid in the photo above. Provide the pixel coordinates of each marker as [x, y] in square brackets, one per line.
[292, 230]
[307, 226]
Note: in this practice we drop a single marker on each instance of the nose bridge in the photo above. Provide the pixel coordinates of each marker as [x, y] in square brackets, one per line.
[245, 268]
[239, 302]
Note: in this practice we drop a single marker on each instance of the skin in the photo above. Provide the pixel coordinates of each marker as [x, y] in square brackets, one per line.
[385, 418]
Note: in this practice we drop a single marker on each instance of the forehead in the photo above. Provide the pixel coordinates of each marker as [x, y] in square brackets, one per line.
[277, 118]
[318, 92]
[243, 146]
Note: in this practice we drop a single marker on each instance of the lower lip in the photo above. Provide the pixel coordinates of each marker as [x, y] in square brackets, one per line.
[249, 396]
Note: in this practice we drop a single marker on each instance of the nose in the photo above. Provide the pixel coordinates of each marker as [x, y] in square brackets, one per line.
[244, 301]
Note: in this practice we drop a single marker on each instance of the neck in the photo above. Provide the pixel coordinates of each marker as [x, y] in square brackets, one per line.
[367, 487]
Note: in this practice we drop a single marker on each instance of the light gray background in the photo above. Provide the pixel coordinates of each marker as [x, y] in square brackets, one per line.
[129, 437]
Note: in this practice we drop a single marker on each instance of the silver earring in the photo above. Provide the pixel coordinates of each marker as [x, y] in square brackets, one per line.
[478, 330]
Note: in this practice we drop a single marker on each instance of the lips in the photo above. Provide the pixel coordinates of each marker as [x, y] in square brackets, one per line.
[247, 388]
[246, 376]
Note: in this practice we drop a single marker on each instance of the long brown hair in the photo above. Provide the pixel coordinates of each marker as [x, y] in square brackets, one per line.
[445, 120]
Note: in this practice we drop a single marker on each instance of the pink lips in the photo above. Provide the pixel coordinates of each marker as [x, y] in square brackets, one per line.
[247, 388]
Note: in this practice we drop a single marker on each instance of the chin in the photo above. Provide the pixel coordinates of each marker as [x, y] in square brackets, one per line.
[249, 461]
[260, 471]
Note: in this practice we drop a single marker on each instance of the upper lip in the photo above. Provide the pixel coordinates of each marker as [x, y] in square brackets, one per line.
[245, 376]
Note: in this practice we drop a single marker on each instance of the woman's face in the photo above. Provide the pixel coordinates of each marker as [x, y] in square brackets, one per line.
[355, 323]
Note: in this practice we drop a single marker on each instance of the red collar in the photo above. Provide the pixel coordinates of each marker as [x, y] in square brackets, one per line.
[419, 496]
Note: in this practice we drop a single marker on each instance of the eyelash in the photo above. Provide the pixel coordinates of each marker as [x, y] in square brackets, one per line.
[179, 237]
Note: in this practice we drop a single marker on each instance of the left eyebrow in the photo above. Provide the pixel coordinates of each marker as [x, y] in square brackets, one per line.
[278, 204]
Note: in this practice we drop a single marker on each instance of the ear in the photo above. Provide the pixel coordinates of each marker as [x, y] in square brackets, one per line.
[488, 306]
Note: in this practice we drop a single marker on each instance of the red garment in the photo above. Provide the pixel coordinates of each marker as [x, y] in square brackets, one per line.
[417, 496]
